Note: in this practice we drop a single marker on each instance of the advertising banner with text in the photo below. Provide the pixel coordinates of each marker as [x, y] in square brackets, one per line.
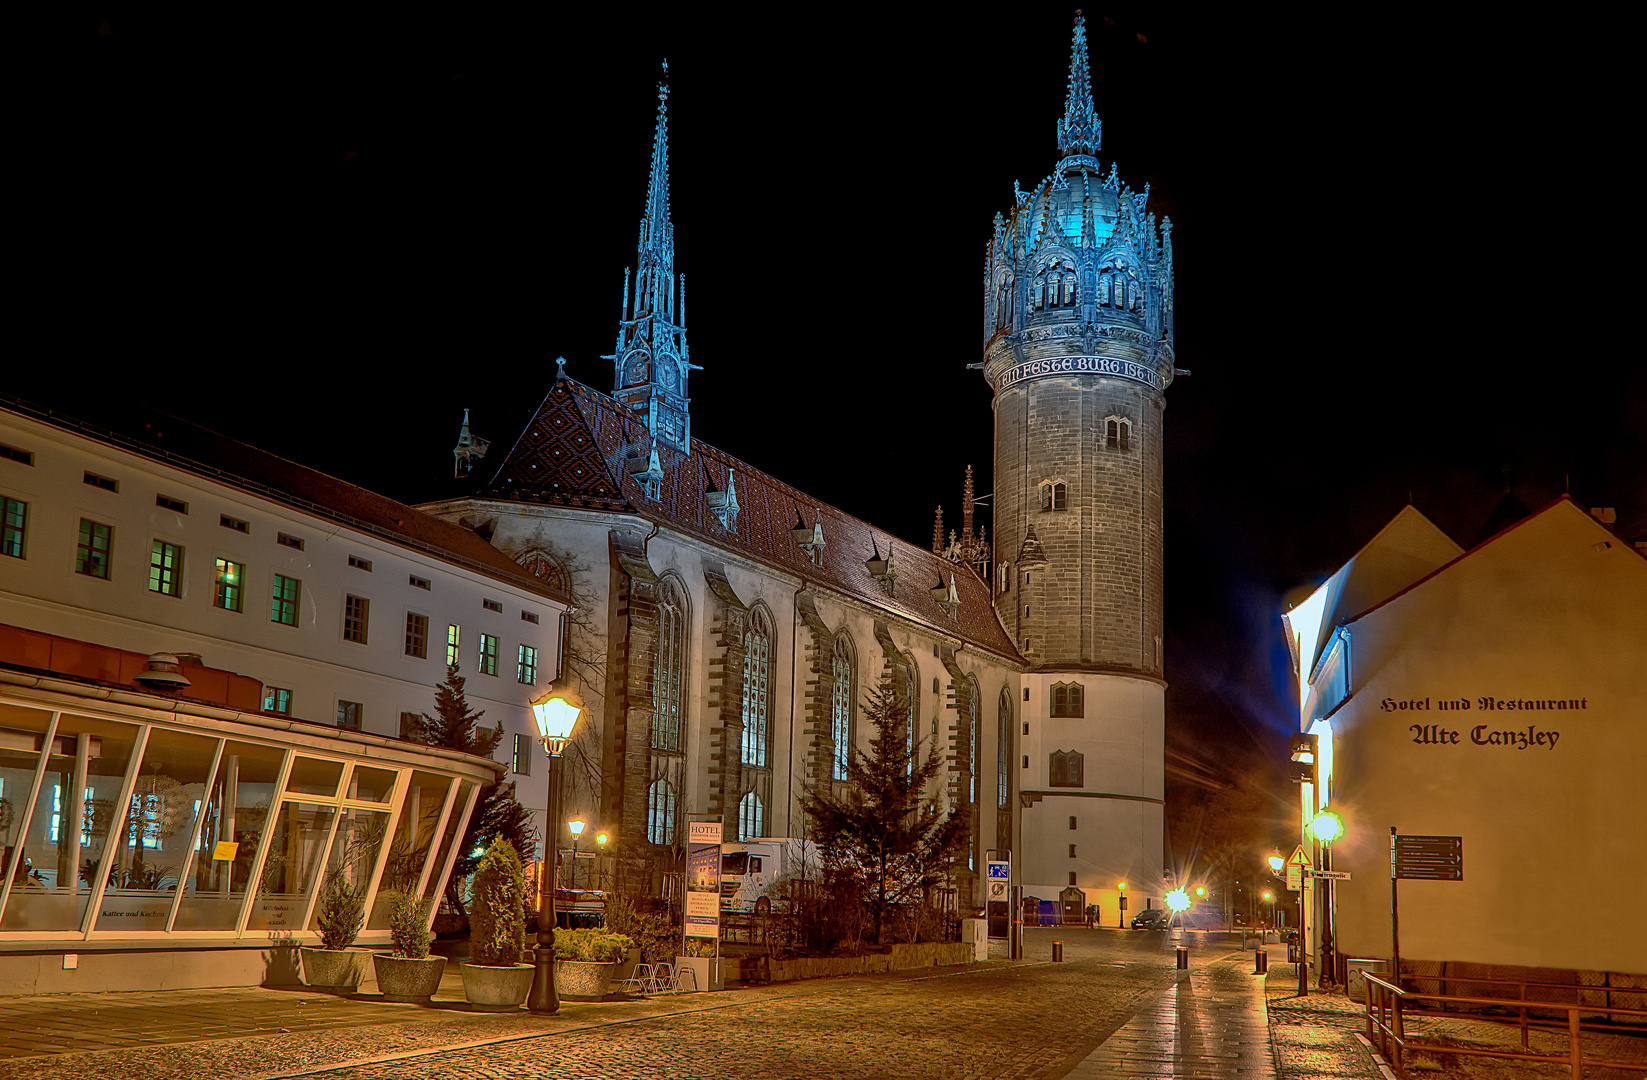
[703, 879]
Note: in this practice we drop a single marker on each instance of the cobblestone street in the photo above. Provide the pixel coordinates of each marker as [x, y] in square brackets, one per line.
[1026, 1019]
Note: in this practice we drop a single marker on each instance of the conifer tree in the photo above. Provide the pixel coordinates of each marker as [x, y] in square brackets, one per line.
[885, 833]
[497, 815]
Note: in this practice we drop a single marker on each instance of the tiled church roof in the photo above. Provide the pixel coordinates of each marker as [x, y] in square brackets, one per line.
[576, 452]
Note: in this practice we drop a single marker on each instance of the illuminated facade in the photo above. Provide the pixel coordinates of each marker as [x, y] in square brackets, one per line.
[1078, 332]
[742, 622]
[1493, 695]
[191, 818]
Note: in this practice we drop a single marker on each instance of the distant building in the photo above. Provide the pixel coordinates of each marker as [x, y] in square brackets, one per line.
[736, 623]
[191, 802]
[1494, 695]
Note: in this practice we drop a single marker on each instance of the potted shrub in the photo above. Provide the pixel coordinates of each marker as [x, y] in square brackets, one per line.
[701, 959]
[340, 913]
[409, 973]
[494, 979]
[585, 961]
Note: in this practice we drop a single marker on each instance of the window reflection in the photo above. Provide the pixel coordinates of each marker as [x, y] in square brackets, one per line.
[414, 838]
[292, 866]
[235, 819]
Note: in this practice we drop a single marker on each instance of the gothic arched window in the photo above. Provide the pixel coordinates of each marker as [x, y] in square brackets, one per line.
[751, 817]
[660, 813]
[1065, 769]
[912, 701]
[1003, 302]
[1003, 751]
[669, 670]
[549, 570]
[840, 712]
[1066, 700]
[972, 710]
[757, 671]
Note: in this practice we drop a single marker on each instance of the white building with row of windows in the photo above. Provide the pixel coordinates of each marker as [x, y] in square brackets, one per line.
[311, 620]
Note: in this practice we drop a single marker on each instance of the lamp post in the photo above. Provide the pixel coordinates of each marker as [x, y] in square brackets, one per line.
[1122, 886]
[1327, 827]
[601, 840]
[576, 826]
[556, 716]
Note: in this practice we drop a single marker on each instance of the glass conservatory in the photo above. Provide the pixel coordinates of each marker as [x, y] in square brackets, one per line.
[130, 827]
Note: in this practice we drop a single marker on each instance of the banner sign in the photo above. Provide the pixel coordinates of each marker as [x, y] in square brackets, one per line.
[1080, 365]
[703, 879]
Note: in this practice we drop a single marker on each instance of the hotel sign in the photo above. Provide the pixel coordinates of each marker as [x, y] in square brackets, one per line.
[1080, 365]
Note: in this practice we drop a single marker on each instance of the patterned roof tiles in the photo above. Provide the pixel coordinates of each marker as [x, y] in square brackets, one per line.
[575, 450]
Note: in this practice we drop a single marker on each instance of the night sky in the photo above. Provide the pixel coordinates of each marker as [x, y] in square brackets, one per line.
[1401, 252]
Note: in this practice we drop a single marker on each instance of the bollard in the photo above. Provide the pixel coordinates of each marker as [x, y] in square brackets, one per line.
[1183, 958]
[1057, 952]
[1260, 962]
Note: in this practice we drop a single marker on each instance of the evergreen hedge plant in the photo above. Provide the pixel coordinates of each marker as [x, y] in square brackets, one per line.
[341, 912]
[408, 927]
[497, 923]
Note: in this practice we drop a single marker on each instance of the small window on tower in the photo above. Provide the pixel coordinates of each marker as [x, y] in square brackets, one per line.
[1046, 497]
[1059, 496]
[1117, 433]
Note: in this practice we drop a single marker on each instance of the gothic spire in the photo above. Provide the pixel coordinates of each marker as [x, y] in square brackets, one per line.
[1080, 131]
[659, 229]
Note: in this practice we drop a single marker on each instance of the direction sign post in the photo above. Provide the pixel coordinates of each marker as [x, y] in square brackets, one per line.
[1426, 858]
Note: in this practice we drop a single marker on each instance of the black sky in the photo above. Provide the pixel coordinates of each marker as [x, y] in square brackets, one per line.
[1402, 249]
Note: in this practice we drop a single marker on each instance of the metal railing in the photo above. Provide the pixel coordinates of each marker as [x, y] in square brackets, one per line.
[1388, 1011]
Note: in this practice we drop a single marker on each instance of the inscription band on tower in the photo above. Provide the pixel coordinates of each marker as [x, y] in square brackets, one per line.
[1080, 365]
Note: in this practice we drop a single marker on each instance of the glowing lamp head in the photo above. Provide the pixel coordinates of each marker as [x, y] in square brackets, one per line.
[1177, 901]
[1200, 890]
[1276, 863]
[556, 716]
[1327, 826]
[1121, 885]
[602, 839]
[1269, 896]
[577, 825]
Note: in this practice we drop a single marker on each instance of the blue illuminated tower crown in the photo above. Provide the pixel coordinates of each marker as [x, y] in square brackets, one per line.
[1078, 347]
[651, 362]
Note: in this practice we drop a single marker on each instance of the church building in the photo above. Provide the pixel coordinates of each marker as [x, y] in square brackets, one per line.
[730, 626]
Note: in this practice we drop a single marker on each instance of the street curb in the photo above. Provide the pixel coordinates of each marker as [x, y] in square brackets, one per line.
[1383, 1066]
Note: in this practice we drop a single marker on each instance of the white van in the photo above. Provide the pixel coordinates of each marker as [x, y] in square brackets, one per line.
[755, 873]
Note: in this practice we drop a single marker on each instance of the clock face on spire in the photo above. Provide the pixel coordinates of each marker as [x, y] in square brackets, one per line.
[669, 375]
[637, 369]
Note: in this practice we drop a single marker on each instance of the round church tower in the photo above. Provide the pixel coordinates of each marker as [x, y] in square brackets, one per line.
[1078, 349]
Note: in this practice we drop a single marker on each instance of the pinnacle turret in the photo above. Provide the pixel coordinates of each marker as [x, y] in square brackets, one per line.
[1080, 131]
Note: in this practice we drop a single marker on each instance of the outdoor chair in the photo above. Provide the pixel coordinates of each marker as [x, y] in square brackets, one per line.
[663, 979]
[637, 980]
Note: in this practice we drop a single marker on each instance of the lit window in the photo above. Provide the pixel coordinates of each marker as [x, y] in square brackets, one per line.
[1065, 769]
[57, 810]
[757, 646]
[488, 664]
[417, 635]
[840, 723]
[1066, 700]
[355, 609]
[166, 569]
[92, 556]
[660, 813]
[526, 665]
[523, 755]
[451, 644]
[669, 671]
[283, 603]
[277, 700]
[227, 588]
[348, 715]
[14, 519]
[751, 817]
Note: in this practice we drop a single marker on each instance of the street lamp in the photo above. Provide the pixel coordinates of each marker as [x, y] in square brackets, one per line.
[1123, 887]
[1327, 826]
[576, 825]
[556, 715]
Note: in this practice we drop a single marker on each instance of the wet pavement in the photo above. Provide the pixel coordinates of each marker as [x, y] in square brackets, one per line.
[1115, 1008]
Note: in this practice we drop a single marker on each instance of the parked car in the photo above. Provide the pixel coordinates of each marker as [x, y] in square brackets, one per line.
[1151, 919]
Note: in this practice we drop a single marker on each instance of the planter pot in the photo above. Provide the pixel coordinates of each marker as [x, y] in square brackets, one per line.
[339, 971]
[626, 966]
[589, 982]
[708, 970]
[497, 989]
[403, 979]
